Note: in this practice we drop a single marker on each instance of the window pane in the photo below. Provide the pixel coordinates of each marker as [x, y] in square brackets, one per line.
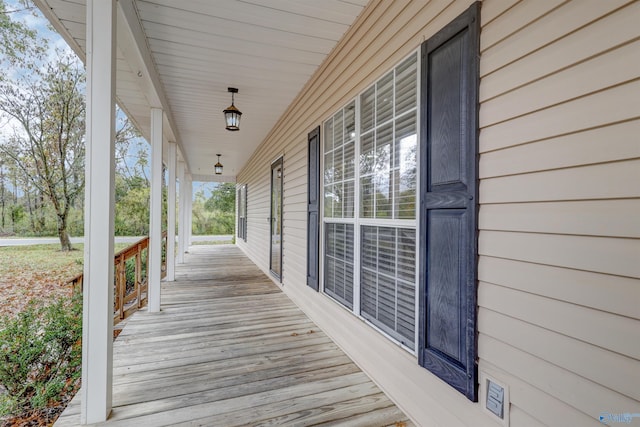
[328, 135]
[367, 109]
[338, 160]
[383, 189]
[406, 85]
[328, 201]
[366, 197]
[328, 168]
[350, 122]
[348, 197]
[349, 160]
[337, 129]
[384, 99]
[387, 250]
[406, 252]
[367, 155]
[405, 154]
[406, 288]
[338, 273]
[386, 301]
[369, 243]
[387, 284]
[337, 200]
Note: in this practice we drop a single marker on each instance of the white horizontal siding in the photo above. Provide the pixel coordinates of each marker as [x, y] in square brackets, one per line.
[559, 235]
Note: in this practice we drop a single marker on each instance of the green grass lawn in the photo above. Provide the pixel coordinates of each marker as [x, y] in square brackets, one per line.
[37, 272]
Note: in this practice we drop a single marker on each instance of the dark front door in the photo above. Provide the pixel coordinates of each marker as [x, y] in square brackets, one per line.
[275, 263]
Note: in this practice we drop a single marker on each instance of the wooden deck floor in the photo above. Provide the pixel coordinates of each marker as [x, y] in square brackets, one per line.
[230, 349]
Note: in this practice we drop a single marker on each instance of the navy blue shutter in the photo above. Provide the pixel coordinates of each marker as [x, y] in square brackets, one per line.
[313, 208]
[448, 203]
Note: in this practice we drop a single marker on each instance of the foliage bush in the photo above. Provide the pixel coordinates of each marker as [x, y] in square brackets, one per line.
[40, 356]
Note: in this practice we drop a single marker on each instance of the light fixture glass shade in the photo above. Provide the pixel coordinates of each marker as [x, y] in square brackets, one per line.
[232, 118]
[217, 168]
[232, 114]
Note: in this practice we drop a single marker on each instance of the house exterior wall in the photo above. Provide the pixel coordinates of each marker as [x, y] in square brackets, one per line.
[559, 227]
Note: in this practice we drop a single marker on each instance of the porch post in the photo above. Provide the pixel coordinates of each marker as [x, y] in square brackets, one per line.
[171, 212]
[97, 312]
[181, 216]
[155, 212]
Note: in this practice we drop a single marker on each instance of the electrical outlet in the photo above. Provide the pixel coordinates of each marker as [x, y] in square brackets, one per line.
[494, 398]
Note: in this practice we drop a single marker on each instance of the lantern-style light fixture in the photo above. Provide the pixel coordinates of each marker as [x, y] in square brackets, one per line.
[218, 166]
[232, 114]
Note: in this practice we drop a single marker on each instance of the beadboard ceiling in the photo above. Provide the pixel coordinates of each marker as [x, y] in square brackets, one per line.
[183, 55]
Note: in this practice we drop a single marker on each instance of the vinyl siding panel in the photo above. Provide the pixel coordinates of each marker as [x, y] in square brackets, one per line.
[617, 218]
[575, 149]
[559, 208]
[559, 241]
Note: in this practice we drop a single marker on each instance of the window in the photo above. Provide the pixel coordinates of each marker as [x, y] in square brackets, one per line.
[369, 187]
[339, 204]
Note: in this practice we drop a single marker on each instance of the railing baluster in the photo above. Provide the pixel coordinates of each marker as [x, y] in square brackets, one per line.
[139, 274]
[123, 285]
[120, 276]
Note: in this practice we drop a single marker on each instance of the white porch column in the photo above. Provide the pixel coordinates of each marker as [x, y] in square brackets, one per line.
[171, 213]
[155, 212]
[181, 216]
[97, 313]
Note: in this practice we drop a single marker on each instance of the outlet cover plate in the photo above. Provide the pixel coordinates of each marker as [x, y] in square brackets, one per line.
[494, 398]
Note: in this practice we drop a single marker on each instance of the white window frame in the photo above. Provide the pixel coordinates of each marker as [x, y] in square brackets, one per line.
[357, 221]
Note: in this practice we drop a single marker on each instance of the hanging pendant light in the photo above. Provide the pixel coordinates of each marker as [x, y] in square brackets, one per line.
[232, 114]
[218, 166]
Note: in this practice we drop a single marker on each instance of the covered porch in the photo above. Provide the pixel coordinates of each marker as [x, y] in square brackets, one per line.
[230, 348]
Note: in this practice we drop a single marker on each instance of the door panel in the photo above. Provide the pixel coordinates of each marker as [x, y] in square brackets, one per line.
[275, 259]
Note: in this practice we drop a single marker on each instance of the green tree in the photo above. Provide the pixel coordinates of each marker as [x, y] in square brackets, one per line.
[132, 206]
[223, 198]
[16, 39]
[47, 144]
[43, 105]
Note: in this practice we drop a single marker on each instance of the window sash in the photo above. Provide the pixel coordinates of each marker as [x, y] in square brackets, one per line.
[388, 280]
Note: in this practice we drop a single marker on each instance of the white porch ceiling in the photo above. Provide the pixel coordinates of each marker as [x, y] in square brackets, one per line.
[183, 55]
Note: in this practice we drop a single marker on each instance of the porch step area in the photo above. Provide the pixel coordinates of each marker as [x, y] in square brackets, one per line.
[230, 349]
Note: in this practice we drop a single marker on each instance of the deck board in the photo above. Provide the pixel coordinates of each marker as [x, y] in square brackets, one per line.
[230, 349]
